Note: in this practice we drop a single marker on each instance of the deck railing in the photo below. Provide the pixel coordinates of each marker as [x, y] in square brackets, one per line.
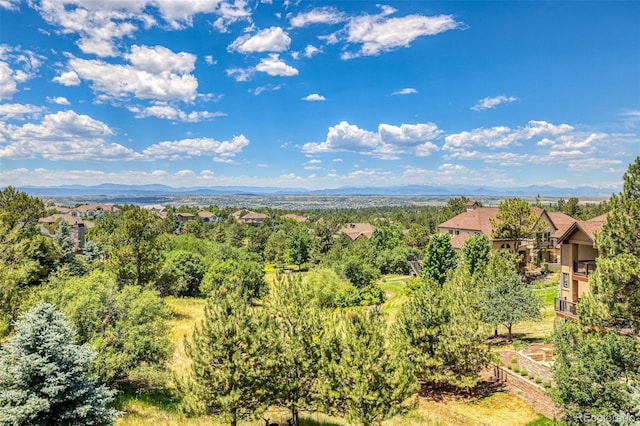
[565, 307]
[584, 267]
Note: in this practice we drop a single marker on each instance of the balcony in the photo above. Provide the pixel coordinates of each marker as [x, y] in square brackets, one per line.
[583, 268]
[565, 308]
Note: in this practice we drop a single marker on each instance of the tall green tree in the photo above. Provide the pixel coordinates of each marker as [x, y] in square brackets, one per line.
[298, 246]
[135, 246]
[442, 332]
[182, 273]
[295, 327]
[232, 273]
[594, 373]
[507, 300]
[515, 221]
[275, 247]
[475, 253]
[439, 258]
[615, 285]
[226, 353]
[18, 209]
[454, 207]
[362, 378]
[125, 326]
[44, 375]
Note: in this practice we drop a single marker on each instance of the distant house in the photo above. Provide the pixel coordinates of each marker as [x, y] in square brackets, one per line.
[78, 226]
[578, 254]
[253, 218]
[185, 217]
[208, 217]
[297, 218]
[357, 230]
[93, 211]
[477, 221]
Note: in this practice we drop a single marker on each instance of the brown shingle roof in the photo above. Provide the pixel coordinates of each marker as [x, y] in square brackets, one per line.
[297, 218]
[561, 221]
[205, 214]
[355, 230]
[478, 220]
[71, 220]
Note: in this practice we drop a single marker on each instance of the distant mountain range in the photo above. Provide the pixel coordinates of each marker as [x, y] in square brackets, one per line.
[109, 189]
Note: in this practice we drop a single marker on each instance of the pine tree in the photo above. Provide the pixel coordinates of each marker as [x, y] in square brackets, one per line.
[475, 253]
[294, 326]
[226, 353]
[64, 240]
[362, 378]
[442, 332]
[515, 221]
[44, 375]
[615, 285]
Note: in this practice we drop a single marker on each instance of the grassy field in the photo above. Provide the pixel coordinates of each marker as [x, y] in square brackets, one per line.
[497, 409]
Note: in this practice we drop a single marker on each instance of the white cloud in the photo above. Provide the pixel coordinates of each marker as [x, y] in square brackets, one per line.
[314, 97]
[321, 15]
[8, 86]
[155, 73]
[169, 112]
[387, 143]
[311, 51]
[16, 67]
[187, 148]
[274, 66]
[405, 91]
[259, 90]
[488, 103]
[19, 111]
[209, 60]
[240, 74]
[502, 136]
[59, 100]
[159, 59]
[272, 39]
[377, 33]
[65, 135]
[68, 78]
[10, 4]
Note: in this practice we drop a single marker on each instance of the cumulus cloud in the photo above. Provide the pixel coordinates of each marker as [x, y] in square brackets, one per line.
[503, 136]
[10, 4]
[272, 39]
[320, 15]
[314, 97]
[240, 74]
[19, 111]
[387, 143]
[65, 135]
[488, 103]
[379, 33]
[59, 100]
[274, 66]
[16, 66]
[188, 148]
[154, 73]
[100, 25]
[405, 91]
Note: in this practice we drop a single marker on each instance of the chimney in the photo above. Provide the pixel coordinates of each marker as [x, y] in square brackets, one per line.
[471, 206]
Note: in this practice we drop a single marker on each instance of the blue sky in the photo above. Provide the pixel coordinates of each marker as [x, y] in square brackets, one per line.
[318, 94]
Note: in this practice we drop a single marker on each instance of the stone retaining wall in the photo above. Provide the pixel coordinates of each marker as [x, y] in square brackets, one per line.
[534, 394]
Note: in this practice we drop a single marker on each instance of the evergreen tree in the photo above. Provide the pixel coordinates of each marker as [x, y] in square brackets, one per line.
[182, 274]
[615, 284]
[442, 332]
[507, 300]
[594, 372]
[44, 375]
[515, 221]
[226, 353]
[362, 378]
[294, 326]
[64, 240]
[439, 258]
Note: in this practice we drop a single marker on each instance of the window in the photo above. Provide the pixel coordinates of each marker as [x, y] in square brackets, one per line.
[565, 280]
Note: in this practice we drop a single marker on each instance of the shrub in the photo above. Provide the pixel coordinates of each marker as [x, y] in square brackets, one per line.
[523, 372]
[514, 360]
[547, 385]
[531, 376]
[516, 370]
[509, 367]
[538, 380]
